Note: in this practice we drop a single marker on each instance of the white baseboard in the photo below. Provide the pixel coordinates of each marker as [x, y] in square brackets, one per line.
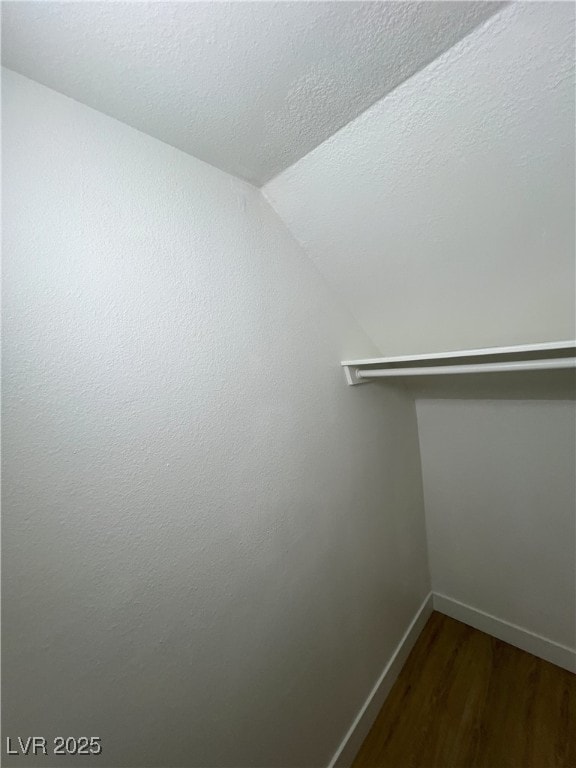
[358, 731]
[521, 638]
[539, 646]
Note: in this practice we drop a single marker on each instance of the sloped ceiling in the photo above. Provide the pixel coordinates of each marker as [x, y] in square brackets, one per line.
[444, 215]
[249, 87]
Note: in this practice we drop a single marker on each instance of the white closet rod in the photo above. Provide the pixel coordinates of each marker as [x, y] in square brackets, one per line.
[519, 349]
[529, 365]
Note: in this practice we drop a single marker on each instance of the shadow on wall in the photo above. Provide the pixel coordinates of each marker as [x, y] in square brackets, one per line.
[528, 385]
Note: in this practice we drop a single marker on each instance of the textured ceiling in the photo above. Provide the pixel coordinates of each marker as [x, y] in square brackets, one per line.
[444, 214]
[249, 87]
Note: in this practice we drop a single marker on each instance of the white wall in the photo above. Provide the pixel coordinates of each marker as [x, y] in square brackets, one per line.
[212, 545]
[444, 214]
[445, 217]
[500, 491]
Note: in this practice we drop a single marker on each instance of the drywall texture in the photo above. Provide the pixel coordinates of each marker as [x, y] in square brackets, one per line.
[500, 491]
[212, 545]
[248, 87]
[445, 213]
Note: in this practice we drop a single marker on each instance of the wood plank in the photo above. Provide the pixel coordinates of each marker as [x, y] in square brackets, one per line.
[467, 700]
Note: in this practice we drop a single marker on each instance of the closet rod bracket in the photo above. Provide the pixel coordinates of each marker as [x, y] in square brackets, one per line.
[353, 376]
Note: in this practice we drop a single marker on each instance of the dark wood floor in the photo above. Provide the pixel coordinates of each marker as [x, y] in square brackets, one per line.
[466, 700]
